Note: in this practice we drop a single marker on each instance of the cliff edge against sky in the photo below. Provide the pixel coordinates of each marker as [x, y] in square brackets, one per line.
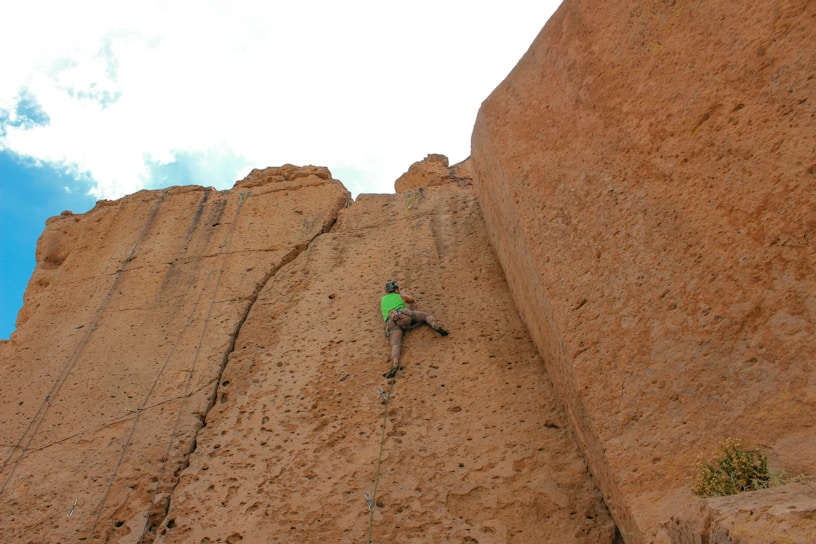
[626, 265]
[204, 366]
[647, 173]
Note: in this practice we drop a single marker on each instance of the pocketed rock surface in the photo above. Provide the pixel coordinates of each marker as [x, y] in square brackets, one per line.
[648, 177]
[128, 320]
[202, 366]
[475, 448]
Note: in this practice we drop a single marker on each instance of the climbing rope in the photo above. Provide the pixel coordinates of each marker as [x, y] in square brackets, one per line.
[241, 199]
[371, 498]
[42, 411]
[143, 406]
[97, 428]
[138, 411]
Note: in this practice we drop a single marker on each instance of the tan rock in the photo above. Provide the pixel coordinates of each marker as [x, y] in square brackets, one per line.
[128, 320]
[433, 170]
[647, 177]
[474, 446]
[776, 515]
[203, 366]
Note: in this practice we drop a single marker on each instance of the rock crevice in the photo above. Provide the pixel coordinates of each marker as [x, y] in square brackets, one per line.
[147, 350]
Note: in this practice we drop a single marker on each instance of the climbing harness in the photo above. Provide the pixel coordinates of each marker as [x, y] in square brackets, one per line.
[371, 498]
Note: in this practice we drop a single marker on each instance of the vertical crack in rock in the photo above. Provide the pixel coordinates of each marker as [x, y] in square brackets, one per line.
[297, 424]
[159, 510]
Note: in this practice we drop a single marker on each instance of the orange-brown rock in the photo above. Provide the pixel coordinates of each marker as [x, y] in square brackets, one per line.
[778, 514]
[203, 366]
[433, 170]
[648, 177]
[128, 321]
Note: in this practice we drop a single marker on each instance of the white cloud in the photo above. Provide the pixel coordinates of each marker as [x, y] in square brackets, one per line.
[362, 87]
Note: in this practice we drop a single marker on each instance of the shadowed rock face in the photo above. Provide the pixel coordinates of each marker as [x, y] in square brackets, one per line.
[203, 366]
[647, 177]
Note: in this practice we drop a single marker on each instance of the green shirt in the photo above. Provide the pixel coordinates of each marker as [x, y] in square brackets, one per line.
[389, 302]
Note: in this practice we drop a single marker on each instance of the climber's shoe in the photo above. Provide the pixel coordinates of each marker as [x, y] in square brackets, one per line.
[440, 330]
[393, 372]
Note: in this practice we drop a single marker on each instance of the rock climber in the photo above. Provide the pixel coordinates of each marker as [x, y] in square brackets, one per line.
[399, 319]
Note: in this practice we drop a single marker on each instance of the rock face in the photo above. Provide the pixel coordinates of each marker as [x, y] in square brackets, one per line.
[433, 170]
[648, 177]
[779, 514]
[128, 321]
[203, 366]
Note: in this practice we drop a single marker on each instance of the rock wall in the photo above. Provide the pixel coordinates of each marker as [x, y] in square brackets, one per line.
[128, 320]
[203, 366]
[648, 177]
[431, 171]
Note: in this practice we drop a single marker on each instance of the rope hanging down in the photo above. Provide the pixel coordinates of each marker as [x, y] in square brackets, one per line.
[42, 411]
[139, 411]
[228, 243]
[371, 498]
[144, 405]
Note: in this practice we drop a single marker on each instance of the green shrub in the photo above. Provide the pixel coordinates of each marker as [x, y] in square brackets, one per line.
[733, 469]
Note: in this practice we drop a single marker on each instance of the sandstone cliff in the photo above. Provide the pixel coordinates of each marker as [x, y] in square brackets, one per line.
[648, 178]
[203, 366]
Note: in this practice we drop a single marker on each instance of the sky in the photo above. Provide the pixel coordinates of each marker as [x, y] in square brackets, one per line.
[102, 98]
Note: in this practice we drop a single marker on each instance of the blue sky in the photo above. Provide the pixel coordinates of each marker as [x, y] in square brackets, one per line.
[100, 99]
[29, 194]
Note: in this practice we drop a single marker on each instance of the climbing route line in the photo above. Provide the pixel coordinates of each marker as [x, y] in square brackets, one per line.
[143, 406]
[372, 498]
[42, 411]
[113, 421]
[228, 243]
